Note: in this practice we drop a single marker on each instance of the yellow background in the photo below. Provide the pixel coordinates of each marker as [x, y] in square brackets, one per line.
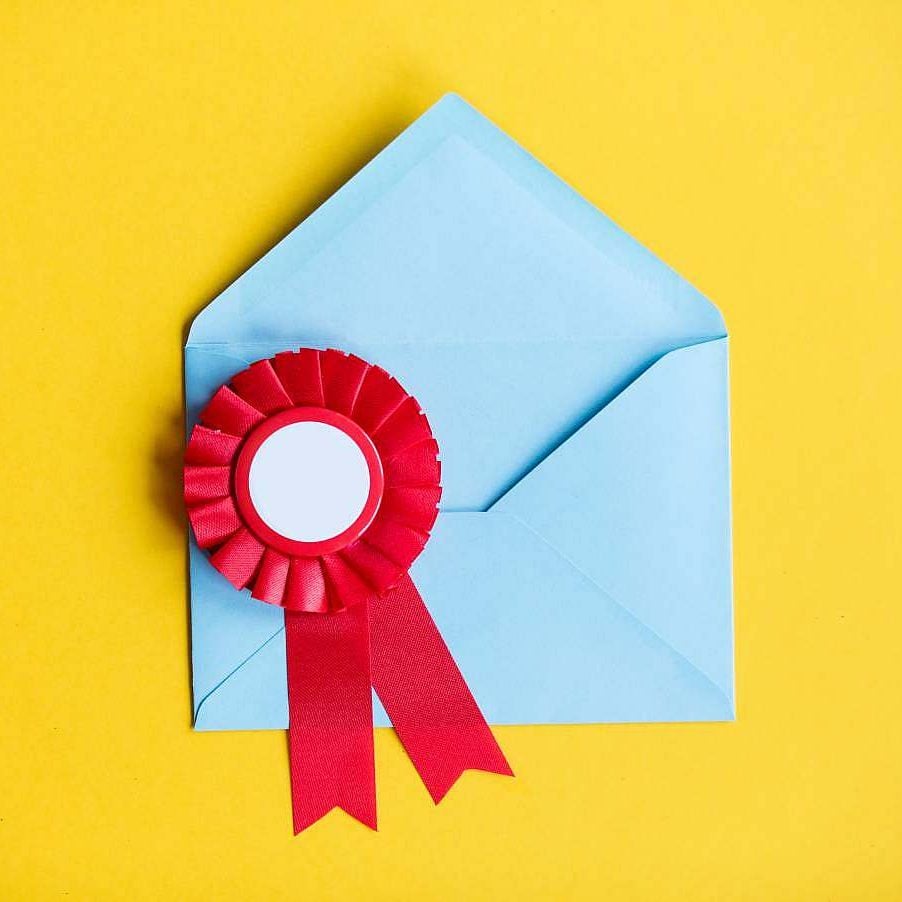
[150, 152]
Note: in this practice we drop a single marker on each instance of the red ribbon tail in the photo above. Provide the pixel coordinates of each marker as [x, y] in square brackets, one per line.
[330, 715]
[431, 707]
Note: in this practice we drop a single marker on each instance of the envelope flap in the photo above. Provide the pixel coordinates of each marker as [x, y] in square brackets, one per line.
[495, 590]
[638, 500]
[540, 642]
[455, 233]
[254, 696]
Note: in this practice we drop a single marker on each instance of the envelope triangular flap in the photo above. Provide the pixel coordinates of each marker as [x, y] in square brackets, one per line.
[252, 697]
[454, 216]
[540, 642]
[639, 501]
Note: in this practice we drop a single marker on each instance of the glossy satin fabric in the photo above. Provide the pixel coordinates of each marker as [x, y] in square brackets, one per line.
[393, 644]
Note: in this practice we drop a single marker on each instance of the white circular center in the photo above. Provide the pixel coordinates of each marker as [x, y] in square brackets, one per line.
[309, 481]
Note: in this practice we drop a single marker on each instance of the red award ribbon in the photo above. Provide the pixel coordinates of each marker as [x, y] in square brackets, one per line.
[353, 617]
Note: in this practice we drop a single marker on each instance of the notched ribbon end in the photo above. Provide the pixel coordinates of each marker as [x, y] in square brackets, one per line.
[439, 790]
[364, 813]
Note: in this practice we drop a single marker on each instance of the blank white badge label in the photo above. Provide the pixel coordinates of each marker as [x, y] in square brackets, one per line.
[309, 481]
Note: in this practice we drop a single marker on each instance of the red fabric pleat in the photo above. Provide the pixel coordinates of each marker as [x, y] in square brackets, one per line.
[346, 586]
[377, 400]
[398, 542]
[260, 387]
[417, 465]
[300, 375]
[214, 522]
[269, 584]
[415, 507]
[305, 589]
[210, 447]
[230, 413]
[342, 377]
[330, 716]
[375, 568]
[239, 558]
[430, 706]
[405, 427]
[205, 483]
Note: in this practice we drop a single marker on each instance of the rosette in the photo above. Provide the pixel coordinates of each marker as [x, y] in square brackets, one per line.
[313, 479]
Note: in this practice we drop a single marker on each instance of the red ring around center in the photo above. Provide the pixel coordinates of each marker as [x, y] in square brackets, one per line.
[252, 444]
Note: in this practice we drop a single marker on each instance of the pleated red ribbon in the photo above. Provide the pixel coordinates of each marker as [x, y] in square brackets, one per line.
[353, 617]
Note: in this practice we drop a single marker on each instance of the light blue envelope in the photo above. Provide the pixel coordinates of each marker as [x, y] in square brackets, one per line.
[580, 566]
